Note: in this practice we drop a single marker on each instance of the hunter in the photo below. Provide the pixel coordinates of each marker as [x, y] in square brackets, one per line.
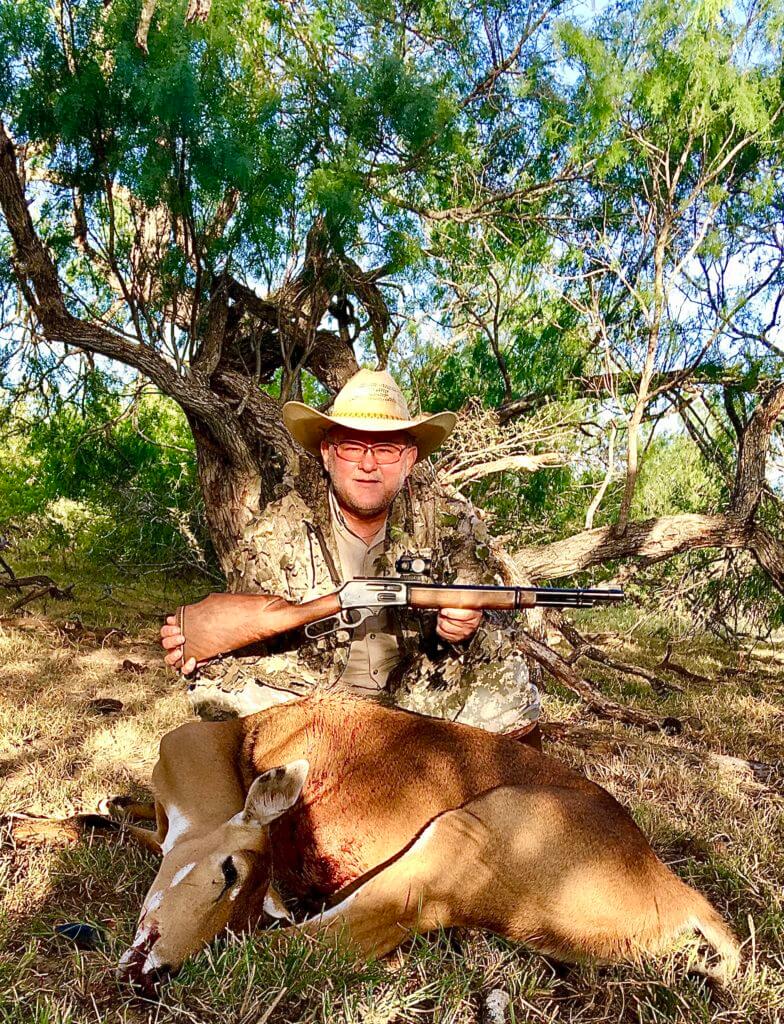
[369, 510]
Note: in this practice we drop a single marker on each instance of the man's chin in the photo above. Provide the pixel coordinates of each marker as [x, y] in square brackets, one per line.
[365, 504]
[366, 509]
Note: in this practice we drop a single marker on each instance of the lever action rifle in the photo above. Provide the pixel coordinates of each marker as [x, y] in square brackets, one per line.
[226, 622]
[360, 598]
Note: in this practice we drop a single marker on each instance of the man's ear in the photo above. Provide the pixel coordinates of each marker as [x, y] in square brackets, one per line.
[274, 792]
[324, 448]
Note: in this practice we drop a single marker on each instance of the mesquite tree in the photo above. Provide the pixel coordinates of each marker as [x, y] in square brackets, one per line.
[238, 200]
[654, 287]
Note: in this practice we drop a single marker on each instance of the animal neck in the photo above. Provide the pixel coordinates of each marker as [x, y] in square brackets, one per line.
[271, 738]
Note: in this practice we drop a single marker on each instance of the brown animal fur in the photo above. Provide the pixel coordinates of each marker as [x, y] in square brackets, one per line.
[409, 823]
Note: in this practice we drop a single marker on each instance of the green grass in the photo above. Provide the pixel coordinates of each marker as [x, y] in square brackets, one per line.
[721, 832]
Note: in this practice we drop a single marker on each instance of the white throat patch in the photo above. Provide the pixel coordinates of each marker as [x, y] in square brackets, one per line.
[178, 826]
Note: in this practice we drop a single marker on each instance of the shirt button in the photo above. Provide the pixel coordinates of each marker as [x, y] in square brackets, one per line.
[375, 671]
[372, 636]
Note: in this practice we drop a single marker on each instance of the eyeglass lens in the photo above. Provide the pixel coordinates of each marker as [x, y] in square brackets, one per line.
[385, 454]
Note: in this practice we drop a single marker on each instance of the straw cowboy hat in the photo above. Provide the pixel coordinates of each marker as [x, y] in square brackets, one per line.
[370, 400]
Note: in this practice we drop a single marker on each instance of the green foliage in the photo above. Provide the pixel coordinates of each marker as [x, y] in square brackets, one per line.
[618, 185]
[112, 478]
[675, 478]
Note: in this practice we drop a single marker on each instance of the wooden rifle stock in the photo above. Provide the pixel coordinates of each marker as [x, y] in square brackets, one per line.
[475, 598]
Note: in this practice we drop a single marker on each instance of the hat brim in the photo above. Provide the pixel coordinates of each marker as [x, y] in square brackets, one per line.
[308, 426]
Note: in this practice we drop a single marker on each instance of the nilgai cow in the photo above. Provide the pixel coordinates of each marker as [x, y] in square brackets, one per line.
[401, 824]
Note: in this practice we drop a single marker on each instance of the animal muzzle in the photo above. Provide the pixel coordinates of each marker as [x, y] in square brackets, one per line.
[142, 967]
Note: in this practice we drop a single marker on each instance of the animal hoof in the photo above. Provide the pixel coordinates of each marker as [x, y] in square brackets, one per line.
[83, 936]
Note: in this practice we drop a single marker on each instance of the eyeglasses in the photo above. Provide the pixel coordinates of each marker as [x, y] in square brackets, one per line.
[384, 453]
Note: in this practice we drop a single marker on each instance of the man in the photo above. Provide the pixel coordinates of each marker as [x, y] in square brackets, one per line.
[453, 663]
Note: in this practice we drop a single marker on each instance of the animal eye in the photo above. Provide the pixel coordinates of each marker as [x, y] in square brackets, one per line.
[229, 872]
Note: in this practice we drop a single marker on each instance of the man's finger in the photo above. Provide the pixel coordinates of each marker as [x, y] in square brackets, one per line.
[172, 630]
[170, 642]
[188, 667]
[171, 620]
[460, 614]
[174, 658]
[451, 632]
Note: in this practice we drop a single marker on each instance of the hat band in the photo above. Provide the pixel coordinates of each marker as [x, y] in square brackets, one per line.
[351, 415]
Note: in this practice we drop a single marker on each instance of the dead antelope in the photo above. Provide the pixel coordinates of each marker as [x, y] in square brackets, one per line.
[403, 824]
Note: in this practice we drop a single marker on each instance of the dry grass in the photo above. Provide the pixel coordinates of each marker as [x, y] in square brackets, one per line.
[57, 756]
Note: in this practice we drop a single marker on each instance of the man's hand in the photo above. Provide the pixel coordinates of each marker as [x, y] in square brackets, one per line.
[456, 624]
[173, 641]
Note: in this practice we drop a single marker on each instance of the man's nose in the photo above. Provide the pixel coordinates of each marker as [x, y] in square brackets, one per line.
[368, 461]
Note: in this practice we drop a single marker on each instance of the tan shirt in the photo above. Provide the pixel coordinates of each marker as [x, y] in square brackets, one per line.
[374, 650]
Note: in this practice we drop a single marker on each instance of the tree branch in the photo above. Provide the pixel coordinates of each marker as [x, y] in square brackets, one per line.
[650, 540]
[595, 701]
[39, 280]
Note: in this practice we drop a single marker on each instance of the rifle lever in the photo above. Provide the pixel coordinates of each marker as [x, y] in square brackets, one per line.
[346, 618]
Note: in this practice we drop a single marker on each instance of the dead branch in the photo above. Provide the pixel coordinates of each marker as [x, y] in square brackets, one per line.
[42, 586]
[11, 574]
[480, 446]
[671, 666]
[583, 649]
[510, 463]
[595, 701]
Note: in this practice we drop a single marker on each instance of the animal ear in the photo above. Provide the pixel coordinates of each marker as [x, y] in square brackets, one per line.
[274, 792]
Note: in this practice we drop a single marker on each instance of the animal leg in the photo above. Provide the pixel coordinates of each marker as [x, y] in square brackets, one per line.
[145, 837]
[127, 808]
[414, 893]
[569, 873]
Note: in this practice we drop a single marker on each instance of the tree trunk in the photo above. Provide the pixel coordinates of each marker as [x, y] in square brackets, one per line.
[232, 497]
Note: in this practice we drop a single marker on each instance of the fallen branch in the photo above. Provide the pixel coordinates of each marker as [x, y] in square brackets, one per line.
[14, 582]
[27, 581]
[671, 666]
[756, 775]
[583, 649]
[595, 701]
[43, 586]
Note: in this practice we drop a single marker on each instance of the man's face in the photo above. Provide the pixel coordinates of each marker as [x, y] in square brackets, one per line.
[366, 488]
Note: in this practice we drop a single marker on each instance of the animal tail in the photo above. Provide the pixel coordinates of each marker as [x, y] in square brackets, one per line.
[680, 909]
[718, 935]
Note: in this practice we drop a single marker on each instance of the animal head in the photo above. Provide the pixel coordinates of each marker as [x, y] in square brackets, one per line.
[211, 881]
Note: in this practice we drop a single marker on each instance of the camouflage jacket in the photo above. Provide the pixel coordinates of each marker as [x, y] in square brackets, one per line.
[291, 550]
